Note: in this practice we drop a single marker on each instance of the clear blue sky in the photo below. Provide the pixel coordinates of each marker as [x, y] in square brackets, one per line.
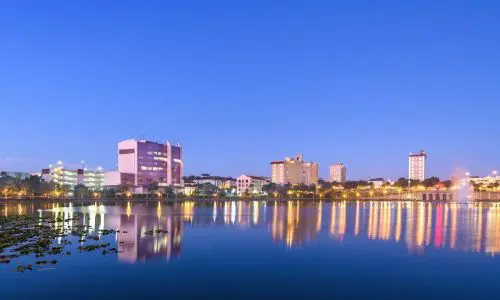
[241, 83]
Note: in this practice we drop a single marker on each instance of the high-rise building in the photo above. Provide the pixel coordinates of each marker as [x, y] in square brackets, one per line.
[67, 176]
[294, 171]
[338, 172]
[150, 162]
[417, 165]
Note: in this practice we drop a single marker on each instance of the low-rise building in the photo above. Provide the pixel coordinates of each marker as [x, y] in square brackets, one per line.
[65, 175]
[115, 179]
[218, 181]
[486, 181]
[376, 182]
[250, 184]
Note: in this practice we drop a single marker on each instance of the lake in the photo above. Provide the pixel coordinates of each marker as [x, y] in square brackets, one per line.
[267, 249]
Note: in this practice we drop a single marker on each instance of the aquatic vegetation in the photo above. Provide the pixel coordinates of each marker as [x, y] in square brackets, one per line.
[42, 236]
[157, 232]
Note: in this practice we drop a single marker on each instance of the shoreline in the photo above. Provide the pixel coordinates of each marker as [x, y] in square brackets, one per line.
[205, 200]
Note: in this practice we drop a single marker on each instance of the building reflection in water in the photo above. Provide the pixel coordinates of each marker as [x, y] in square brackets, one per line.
[295, 223]
[419, 225]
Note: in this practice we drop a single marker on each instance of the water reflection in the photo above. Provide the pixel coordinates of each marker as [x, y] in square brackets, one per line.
[419, 225]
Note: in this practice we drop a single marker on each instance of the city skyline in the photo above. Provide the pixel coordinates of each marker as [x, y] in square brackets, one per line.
[362, 84]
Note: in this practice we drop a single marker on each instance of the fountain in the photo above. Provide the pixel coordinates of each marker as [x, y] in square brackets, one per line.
[464, 189]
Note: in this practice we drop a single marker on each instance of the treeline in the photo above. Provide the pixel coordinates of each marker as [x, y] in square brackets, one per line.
[31, 186]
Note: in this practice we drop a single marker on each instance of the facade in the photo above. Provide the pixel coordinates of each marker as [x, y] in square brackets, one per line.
[150, 162]
[67, 176]
[294, 171]
[486, 181]
[338, 173]
[377, 182]
[250, 184]
[218, 181]
[115, 179]
[417, 165]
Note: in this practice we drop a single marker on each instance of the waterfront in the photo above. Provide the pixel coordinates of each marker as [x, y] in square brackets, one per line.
[291, 249]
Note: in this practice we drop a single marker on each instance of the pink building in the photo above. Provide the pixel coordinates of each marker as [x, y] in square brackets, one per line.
[151, 162]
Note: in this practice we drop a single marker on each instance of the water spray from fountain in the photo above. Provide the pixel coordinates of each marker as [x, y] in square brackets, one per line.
[464, 190]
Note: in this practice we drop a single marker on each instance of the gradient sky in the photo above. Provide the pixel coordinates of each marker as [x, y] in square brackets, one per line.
[241, 83]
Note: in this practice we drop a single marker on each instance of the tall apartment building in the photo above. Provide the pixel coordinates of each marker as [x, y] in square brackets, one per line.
[417, 165]
[150, 162]
[294, 171]
[67, 176]
[338, 172]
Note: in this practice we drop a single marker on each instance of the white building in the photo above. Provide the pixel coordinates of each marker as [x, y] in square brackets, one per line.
[417, 165]
[377, 182]
[338, 173]
[70, 177]
[486, 181]
[218, 181]
[250, 184]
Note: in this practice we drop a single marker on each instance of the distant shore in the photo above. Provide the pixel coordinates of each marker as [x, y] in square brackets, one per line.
[204, 200]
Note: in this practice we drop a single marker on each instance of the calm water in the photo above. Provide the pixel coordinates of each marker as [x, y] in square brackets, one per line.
[272, 249]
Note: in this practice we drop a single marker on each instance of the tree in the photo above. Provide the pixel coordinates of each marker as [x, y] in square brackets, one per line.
[109, 193]
[189, 178]
[169, 191]
[47, 187]
[401, 182]
[206, 189]
[493, 185]
[447, 183]
[351, 185]
[476, 186]
[151, 188]
[431, 182]
[31, 185]
[81, 192]
[124, 188]
[269, 188]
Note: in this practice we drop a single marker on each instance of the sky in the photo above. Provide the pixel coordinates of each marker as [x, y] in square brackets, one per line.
[242, 83]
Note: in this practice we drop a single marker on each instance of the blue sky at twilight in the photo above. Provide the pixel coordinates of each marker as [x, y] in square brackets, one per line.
[241, 83]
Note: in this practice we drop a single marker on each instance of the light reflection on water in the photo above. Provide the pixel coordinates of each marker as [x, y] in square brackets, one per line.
[471, 227]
